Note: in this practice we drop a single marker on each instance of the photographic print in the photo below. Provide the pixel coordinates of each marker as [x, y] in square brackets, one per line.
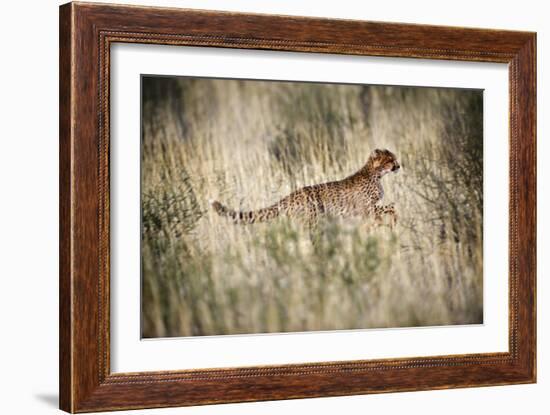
[301, 213]
[276, 206]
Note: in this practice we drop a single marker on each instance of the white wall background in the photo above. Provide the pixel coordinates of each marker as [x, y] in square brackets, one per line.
[29, 205]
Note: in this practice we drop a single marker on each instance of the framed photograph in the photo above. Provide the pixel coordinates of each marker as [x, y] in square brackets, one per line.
[259, 207]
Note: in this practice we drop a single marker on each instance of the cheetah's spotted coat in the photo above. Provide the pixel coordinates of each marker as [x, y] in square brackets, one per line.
[357, 195]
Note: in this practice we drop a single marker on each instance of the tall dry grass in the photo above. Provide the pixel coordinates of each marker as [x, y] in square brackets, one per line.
[248, 143]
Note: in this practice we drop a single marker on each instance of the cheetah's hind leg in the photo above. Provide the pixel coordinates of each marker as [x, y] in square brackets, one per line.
[312, 228]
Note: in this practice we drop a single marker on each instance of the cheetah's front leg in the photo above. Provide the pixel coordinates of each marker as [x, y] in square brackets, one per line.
[379, 211]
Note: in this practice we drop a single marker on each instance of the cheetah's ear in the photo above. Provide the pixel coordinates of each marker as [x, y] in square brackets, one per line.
[377, 152]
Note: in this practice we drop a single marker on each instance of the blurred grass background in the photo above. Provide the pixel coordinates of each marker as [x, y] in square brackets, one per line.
[247, 144]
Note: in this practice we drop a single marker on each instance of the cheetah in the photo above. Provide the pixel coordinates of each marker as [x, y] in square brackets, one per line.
[356, 195]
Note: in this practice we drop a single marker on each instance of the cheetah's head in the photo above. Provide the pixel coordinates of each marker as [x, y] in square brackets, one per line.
[383, 161]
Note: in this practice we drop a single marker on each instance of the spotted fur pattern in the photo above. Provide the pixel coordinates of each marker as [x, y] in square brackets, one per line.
[356, 195]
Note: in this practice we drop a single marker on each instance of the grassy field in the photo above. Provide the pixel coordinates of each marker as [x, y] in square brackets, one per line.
[248, 143]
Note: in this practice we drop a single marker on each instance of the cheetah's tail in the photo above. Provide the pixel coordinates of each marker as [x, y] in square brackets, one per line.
[241, 217]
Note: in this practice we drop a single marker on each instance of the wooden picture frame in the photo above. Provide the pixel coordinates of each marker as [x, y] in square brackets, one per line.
[86, 33]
